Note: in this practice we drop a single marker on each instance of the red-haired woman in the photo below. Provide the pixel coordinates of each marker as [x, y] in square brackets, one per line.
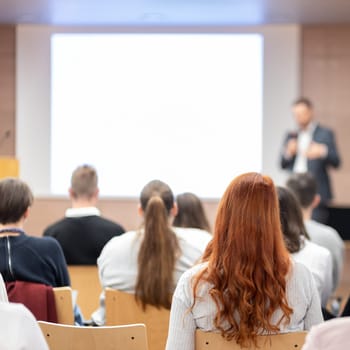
[248, 284]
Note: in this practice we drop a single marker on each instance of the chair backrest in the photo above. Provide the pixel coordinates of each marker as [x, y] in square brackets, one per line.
[64, 305]
[122, 308]
[66, 337]
[85, 280]
[283, 341]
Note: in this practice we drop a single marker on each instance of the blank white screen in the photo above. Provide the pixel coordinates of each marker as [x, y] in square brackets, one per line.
[183, 108]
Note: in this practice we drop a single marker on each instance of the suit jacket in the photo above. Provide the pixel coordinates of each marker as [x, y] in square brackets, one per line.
[317, 167]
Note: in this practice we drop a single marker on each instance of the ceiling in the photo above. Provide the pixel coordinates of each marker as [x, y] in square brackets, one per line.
[174, 12]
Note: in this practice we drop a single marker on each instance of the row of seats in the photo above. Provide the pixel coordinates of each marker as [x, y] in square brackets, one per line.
[134, 337]
[121, 309]
[129, 325]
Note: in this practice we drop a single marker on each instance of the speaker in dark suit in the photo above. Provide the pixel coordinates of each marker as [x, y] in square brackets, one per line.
[311, 148]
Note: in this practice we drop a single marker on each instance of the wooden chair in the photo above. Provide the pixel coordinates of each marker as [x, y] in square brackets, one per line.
[122, 308]
[42, 300]
[86, 281]
[64, 305]
[283, 341]
[65, 337]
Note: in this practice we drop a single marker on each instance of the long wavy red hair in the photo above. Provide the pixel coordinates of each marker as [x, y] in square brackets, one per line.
[247, 261]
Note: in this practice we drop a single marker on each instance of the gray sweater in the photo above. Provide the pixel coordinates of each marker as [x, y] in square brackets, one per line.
[329, 238]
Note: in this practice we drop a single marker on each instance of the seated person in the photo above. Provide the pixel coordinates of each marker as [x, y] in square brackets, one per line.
[190, 212]
[27, 258]
[318, 259]
[304, 186]
[330, 335]
[3, 293]
[19, 329]
[148, 262]
[248, 284]
[83, 232]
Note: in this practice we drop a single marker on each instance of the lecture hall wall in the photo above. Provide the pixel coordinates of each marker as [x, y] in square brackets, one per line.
[322, 64]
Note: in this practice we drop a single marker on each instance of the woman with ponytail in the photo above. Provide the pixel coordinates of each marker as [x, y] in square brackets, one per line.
[148, 262]
[247, 285]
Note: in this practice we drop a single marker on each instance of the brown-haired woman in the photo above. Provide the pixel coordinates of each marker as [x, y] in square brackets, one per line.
[318, 259]
[148, 262]
[248, 284]
[191, 213]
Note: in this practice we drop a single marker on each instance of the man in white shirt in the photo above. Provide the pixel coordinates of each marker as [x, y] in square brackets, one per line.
[311, 148]
[304, 186]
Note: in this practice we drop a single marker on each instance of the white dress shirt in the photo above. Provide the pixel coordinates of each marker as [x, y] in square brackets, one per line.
[304, 141]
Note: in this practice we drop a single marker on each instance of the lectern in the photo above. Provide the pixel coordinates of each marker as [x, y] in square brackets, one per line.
[9, 167]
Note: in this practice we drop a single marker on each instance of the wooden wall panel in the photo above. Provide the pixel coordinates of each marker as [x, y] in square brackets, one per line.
[326, 81]
[7, 90]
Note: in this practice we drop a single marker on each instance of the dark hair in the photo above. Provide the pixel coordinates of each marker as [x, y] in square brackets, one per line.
[247, 261]
[291, 219]
[15, 198]
[159, 248]
[303, 101]
[304, 186]
[190, 212]
[84, 181]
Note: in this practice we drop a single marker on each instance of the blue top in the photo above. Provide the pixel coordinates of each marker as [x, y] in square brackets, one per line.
[32, 259]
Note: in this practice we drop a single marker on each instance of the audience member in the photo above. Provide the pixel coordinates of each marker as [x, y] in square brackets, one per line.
[83, 232]
[19, 329]
[149, 261]
[311, 148]
[248, 284]
[318, 259]
[330, 335]
[304, 186]
[190, 212]
[26, 258]
[3, 293]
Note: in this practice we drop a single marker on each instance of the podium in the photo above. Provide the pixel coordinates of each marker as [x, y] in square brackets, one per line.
[9, 167]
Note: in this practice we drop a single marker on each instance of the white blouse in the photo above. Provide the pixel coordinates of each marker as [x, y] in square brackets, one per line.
[118, 263]
[19, 329]
[319, 260]
[301, 295]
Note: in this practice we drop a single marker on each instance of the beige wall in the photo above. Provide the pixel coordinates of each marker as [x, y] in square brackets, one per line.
[47, 210]
[7, 89]
[326, 81]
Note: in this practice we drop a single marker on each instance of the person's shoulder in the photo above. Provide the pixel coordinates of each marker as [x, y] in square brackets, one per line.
[322, 129]
[322, 335]
[314, 225]
[120, 247]
[298, 267]
[186, 278]
[122, 240]
[110, 224]
[311, 247]
[56, 227]
[15, 310]
[318, 230]
[192, 234]
[300, 274]
[44, 244]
